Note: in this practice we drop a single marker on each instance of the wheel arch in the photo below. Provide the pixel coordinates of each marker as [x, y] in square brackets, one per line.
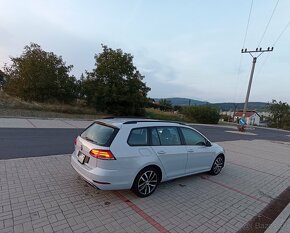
[158, 168]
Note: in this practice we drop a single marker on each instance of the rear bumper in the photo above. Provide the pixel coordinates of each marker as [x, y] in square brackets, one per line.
[114, 179]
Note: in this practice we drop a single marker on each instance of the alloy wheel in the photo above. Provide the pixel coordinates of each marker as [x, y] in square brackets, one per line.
[147, 182]
[218, 165]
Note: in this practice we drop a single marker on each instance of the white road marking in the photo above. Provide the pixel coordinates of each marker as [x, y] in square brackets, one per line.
[243, 133]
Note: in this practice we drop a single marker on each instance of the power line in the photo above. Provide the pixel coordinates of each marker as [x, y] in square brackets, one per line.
[249, 17]
[263, 64]
[244, 42]
[263, 35]
[282, 32]
[268, 55]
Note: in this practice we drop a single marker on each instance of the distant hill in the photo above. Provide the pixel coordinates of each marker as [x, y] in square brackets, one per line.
[183, 101]
[258, 106]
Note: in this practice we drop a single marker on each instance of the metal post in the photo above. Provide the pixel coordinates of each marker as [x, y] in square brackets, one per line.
[260, 51]
[249, 87]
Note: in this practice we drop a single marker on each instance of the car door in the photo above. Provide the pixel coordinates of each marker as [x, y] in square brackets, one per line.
[166, 143]
[200, 156]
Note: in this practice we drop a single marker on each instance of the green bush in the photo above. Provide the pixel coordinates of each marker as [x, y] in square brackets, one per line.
[201, 114]
[280, 115]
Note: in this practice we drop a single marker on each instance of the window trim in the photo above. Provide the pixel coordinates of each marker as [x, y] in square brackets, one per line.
[112, 137]
[177, 128]
[148, 138]
[183, 138]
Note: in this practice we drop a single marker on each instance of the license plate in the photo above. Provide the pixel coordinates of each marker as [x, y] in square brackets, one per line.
[81, 158]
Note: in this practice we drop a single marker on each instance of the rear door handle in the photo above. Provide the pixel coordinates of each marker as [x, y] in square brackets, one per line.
[162, 152]
[190, 150]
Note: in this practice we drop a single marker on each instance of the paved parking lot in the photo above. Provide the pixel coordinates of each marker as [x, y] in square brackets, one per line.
[45, 194]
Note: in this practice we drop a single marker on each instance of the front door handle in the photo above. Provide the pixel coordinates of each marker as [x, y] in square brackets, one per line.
[190, 150]
[161, 152]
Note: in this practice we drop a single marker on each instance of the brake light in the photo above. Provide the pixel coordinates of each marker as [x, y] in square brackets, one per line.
[102, 154]
[76, 139]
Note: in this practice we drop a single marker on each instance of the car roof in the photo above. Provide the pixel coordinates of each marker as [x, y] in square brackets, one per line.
[119, 122]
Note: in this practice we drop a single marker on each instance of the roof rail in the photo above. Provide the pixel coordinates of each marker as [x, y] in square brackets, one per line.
[142, 119]
[135, 122]
[128, 117]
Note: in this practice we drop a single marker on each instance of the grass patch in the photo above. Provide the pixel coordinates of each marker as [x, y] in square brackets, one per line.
[161, 115]
[11, 106]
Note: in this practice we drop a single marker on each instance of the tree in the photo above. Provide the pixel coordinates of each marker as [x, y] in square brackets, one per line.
[280, 113]
[40, 76]
[115, 85]
[165, 104]
[177, 108]
[2, 79]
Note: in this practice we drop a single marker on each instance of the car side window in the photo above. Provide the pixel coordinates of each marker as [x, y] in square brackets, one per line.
[138, 137]
[168, 136]
[154, 137]
[192, 138]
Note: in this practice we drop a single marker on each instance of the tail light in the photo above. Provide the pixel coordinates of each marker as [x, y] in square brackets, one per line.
[75, 141]
[102, 154]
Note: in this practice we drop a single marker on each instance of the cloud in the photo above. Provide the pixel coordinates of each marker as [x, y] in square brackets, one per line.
[183, 49]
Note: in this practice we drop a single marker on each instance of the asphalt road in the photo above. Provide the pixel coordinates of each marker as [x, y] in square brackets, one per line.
[220, 134]
[19, 143]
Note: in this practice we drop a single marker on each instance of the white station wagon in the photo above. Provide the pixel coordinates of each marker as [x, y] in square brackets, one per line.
[138, 154]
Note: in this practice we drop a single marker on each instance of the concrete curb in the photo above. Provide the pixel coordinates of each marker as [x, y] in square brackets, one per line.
[212, 125]
[280, 221]
[35, 157]
[82, 119]
[48, 118]
[260, 127]
[43, 123]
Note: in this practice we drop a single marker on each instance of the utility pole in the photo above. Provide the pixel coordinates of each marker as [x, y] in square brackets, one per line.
[260, 51]
[235, 109]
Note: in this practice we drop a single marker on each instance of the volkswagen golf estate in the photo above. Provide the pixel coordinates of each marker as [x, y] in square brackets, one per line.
[138, 154]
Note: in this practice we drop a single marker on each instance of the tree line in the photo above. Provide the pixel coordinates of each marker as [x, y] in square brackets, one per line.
[114, 86]
[204, 114]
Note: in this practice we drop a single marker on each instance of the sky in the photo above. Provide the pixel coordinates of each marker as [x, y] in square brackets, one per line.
[188, 48]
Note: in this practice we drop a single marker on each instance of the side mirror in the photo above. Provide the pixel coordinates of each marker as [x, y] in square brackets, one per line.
[207, 143]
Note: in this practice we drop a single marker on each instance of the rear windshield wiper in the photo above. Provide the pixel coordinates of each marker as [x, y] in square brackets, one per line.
[89, 139]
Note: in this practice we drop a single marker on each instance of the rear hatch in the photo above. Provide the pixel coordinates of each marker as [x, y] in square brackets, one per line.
[94, 144]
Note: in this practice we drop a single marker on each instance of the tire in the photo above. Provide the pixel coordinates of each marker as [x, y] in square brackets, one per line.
[217, 166]
[146, 182]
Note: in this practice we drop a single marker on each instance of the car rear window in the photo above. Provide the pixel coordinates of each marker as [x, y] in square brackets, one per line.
[99, 134]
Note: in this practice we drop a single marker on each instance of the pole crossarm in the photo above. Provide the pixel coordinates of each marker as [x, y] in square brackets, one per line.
[261, 51]
[258, 50]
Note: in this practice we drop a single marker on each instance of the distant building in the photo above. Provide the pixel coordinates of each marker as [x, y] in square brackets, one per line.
[252, 117]
[227, 113]
[265, 114]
